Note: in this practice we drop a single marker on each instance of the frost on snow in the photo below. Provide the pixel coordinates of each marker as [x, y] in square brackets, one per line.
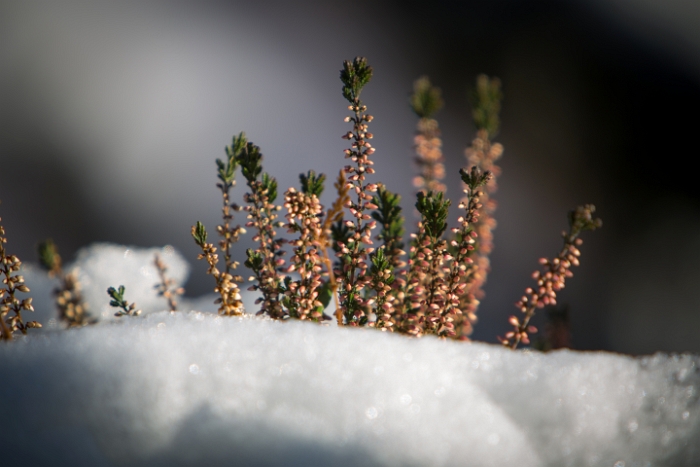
[194, 388]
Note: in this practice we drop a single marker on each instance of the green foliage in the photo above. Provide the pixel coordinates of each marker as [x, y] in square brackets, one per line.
[381, 263]
[227, 171]
[426, 99]
[250, 159]
[117, 296]
[486, 102]
[355, 75]
[433, 209]
[254, 261]
[312, 184]
[269, 187]
[475, 177]
[118, 301]
[325, 295]
[388, 215]
[199, 233]
[48, 255]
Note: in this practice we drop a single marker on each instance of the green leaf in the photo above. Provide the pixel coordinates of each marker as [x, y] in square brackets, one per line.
[311, 184]
[433, 209]
[269, 184]
[426, 99]
[48, 255]
[250, 159]
[325, 294]
[475, 178]
[254, 261]
[355, 75]
[200, 234]
[486, 101]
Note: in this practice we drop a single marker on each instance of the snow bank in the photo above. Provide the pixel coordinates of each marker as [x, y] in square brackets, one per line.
[198, 389]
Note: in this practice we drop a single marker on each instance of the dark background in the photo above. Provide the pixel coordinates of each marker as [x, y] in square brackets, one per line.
[111, 116]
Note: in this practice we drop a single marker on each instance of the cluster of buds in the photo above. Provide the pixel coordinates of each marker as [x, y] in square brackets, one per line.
[9, 264]
[436, 289]
[166, 287]
[226, 173]
[429, 158]
[229, 300]
[552, 278]
[424, 293]
[265, 261]
[118, 301]
[426, 101]
[72, 309]
[456, 321]
[383, 279]
[304, 215]
[353, 253]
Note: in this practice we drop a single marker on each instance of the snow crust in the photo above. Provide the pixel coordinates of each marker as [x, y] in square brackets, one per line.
[194, 388]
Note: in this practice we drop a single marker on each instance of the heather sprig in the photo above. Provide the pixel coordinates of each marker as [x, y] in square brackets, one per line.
[425, 101]
[118, 301]
[229, 300]
[72, 309]
[353, 275]
[9, 302]
[388, 214]
[383, 279]
[166, 287]
[483, 153]
[265, 261]
[227, 176]
[304, 218]
[424, 290]
[433, 208]
[455, 321]
[329, 238]
[551, 279]
[486, 98]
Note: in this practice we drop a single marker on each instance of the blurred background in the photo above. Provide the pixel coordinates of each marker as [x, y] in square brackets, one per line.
[112, 114]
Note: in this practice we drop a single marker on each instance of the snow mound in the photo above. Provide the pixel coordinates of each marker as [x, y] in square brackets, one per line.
[200, 389]
[103, 265]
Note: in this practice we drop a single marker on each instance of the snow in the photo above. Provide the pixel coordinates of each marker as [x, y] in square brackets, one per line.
[194, 388]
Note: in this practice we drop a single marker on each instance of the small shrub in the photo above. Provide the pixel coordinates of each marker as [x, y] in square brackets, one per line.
[438, 288]
[72, 309]
[9, 302]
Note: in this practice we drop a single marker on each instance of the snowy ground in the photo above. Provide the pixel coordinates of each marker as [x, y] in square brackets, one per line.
[198, 389]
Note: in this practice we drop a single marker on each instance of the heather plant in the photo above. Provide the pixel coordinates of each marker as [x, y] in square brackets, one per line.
[265, 261]
[72, 309]
[552, 278]
[483, 154]
[229, 300]
[428, 252]
[436, 289]
[426, 100]
[166, 287]
[303, 299]
[11, 306]
[354, 255]
[118, 301]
